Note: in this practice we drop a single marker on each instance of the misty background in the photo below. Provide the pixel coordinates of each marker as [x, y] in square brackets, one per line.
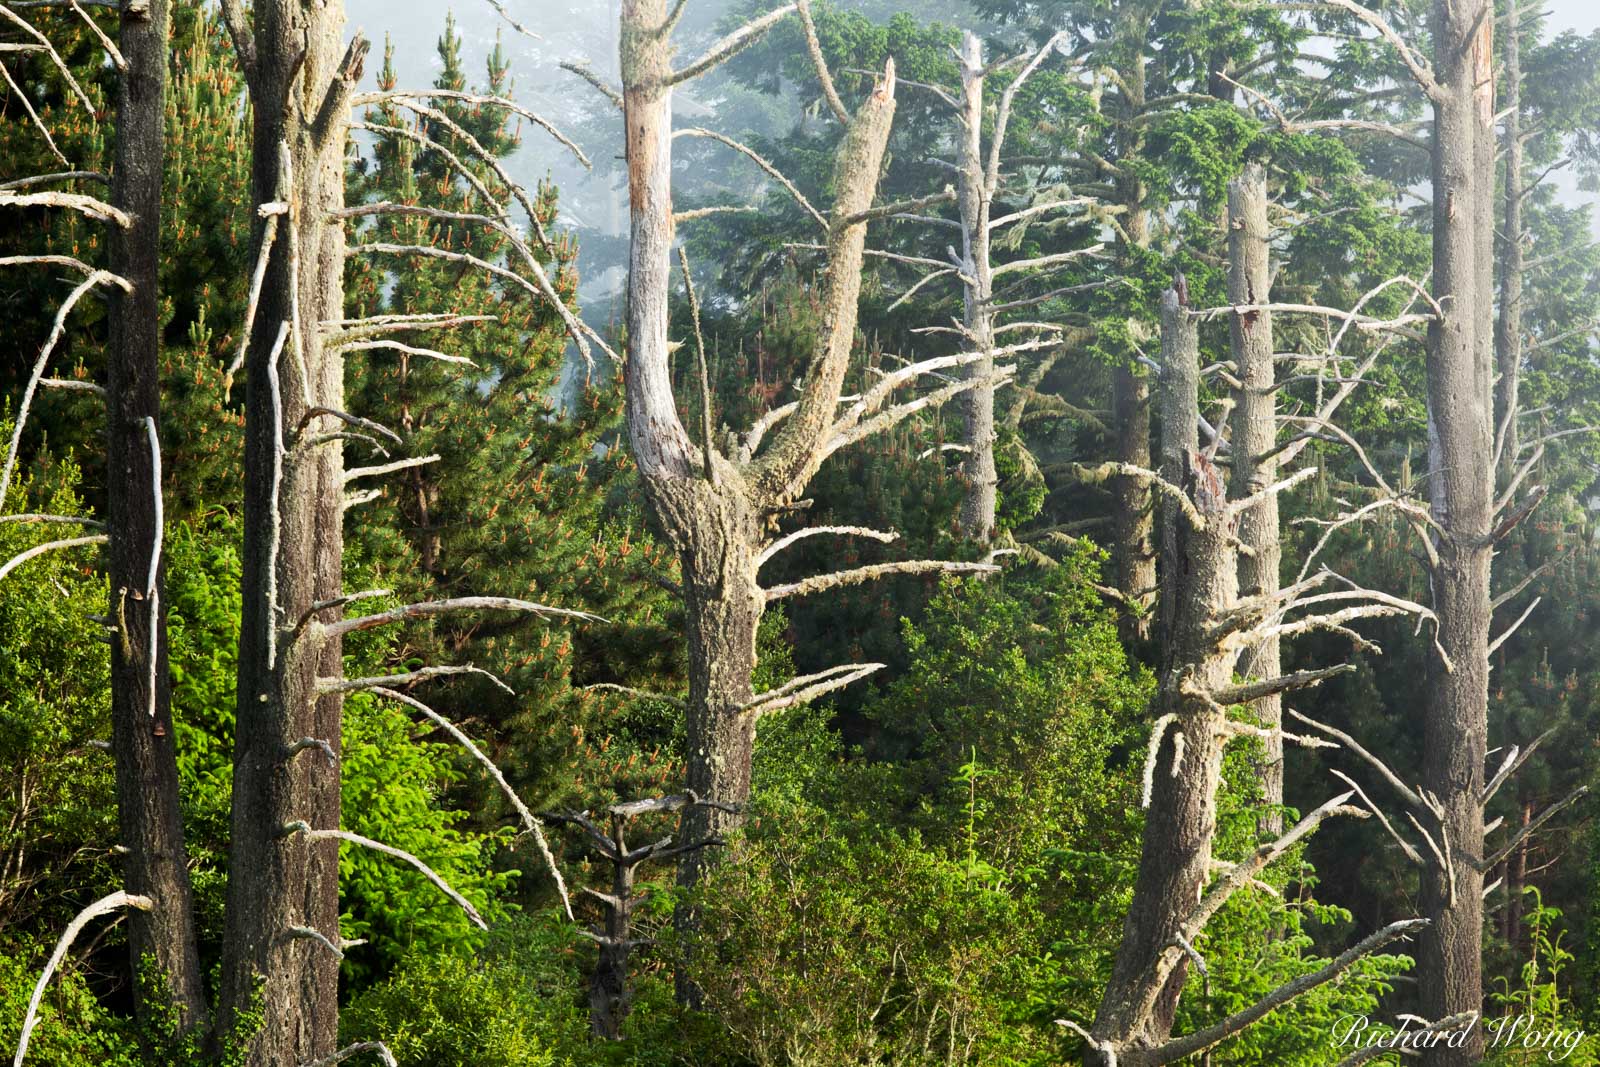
[594, 202]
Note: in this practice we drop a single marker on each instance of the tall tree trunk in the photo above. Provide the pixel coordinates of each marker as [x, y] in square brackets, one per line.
[1255, 433]
[978, 504]
[1460, 402]
[1199, 581]
[1508, 328]
[292, 551]
[162, 939]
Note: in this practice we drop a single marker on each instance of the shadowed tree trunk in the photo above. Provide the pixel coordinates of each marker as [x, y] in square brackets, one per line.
[977, 470]
[166, 964]
[1255, 433]
[1461, 482]
[1199, 581]
[294, 491]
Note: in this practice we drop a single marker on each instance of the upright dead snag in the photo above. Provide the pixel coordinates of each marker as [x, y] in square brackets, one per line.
[1205, 627]
[161, 936]
[301, 76]
[716, 508]
[610, 990]
[1255, 437]
[1462, 483]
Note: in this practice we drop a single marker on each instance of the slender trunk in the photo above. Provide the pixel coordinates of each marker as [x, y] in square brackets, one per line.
[978, 505]
[1132, 518]
[1516, 878]
[292, 556]
[1460, 401]
[1199, 580]
[166, 962]
[1508, 328]
[1255, 432]
[610, 993]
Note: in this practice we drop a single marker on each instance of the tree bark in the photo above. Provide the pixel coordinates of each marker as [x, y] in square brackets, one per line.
[161, 939]
[1255, 432]
[1508, 327]
[292, 554]
[1460, 401]
[978, 504]
[1199, 580]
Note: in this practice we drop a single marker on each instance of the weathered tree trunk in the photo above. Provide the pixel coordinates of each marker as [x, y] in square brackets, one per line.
[1132, 516]
[978, 471]
[1199, 581]
[1255, 432]
[166, 962]
[610, 991]
[293, 549]
[1508, 327]
[1460, 401]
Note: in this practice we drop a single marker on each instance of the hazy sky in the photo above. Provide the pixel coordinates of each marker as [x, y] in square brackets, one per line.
[586, 28]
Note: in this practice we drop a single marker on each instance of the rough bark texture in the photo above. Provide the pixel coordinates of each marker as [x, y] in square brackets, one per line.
[162, 938]
[1255, 431]
[712, 508]
[292, 556]
[1199, 580]
[977, 470]
[1508, 328]
[1460, 401]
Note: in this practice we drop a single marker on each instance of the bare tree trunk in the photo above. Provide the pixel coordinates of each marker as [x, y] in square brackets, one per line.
[1255, 431]
[1199, 581]
[978, 471]
[1460, 401]
[292, 551]
[1516, 879]
[162, 938]
[1508, 328]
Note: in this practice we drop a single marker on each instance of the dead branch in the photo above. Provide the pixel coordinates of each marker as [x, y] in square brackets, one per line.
[814, 47]
[56, 329]
[398, 853]
[1251, 691]
[766, 165]
[55, 57]
[104, 906]
[532, 825]
[1201, 1040]
[76, 520]
[642, 694]
[351, 685]
[1513, 760]
[582, 69]
[27, 105]
[858, 575]
[730, 46]
[441, 607]
[38, 550]
[1405, 791]
[807, 688]
[1405, 846]
[884, 536]
[1373, 1051]
[405, 95]
[1527, 831]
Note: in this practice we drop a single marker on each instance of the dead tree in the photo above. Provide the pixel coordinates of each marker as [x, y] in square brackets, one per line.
[1205, 628]
[143, 740]
[161, 928]
[1254, 443]
[716, 502]
[610, 989]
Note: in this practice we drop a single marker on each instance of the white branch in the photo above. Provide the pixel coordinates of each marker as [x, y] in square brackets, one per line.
[38, 550]
[532, 824]
[818, 583]
[443, 607]
[404, 95]
[756, 158]
[731, 45]
[782, 543]
[400, 854]
[360, 1046]
[808, 687]
[350, 685]
[103, 906]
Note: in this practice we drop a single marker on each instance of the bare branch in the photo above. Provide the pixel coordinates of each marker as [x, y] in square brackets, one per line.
[38, 550]
[766, 165]
[55, 57]
[404, 95]
[884, 536]
[76, 520]
[1200, 1040]
[642, 694]
[400, 854]
[1047, 261]
[818, 583]
[1376, 1049]
[350, 685]
[820, 64]
[582, 69]
[1405, 791]
[1528, 830]
[533, 826]
[27, 105]
[1405, 846]
[104, 906]
[1509, 630]
[441, 607]
[808, 687]
[410, 350]
[731, 45]
[1246, 692]
[1513, 761]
